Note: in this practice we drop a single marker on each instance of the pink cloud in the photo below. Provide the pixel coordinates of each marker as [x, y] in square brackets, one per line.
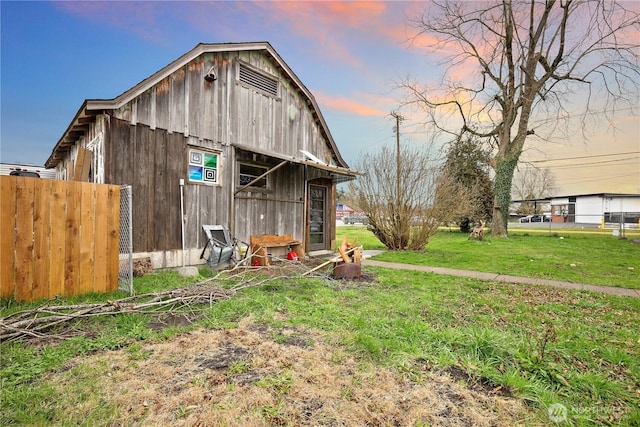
[326, 26]
[348, 105]
[340, 30]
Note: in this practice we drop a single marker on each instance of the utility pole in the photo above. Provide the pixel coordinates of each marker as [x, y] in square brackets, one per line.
[398, 118]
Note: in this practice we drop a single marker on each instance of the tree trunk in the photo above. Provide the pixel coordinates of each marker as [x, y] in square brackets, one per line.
[505, 166]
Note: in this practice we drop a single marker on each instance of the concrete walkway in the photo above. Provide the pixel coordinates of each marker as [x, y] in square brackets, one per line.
[504, 278]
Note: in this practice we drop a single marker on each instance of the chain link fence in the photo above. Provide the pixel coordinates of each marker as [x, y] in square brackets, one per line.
[125, 270]
[616, 223]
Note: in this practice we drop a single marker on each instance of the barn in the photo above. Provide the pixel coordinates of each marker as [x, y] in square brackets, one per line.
[226, 134]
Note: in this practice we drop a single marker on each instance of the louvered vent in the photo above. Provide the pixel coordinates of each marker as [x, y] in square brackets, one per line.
[258, 81]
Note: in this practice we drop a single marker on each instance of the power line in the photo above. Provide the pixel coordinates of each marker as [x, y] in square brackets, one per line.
[600, 178]
[584, 157]
[629, 162]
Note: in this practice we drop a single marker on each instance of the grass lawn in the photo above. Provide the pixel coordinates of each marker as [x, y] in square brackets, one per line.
[598, 259]
[541, 345]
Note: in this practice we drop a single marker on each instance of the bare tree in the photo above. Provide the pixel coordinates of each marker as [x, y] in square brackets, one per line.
[532, 183]
[528, 56]
[398, 195]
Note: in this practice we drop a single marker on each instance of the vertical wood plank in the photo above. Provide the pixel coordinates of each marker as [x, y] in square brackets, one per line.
[192, 221]
[177, 101]
[158, 207]
[57, 242]
[195, 88]
[24, 238]
[7, 235]
[141, 191]
[101, 239]
[176, 169]
[72, 242]
[119, 155]
[84, 159]
[144, 107]
[162, 104]
[42, 236]
[162, 205]
[113, 242]
[87, 237]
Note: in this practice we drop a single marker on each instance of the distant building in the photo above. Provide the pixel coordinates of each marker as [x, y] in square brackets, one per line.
[594, 208]
[342, 210]
[26, 170]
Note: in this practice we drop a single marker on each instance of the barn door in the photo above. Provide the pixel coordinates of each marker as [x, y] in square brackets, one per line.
[317, 217]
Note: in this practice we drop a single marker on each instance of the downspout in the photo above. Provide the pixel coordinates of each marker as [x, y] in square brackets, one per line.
[182, 218]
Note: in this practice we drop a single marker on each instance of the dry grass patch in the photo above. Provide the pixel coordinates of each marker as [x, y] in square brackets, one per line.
[254, 375]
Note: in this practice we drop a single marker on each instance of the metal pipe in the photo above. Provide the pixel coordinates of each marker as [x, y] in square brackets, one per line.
[130, 203]
[182, 217]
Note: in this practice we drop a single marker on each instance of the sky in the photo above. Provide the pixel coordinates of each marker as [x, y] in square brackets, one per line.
[350, 55]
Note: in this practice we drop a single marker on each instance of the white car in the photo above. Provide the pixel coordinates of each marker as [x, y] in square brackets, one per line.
[526, 218]
[536, 218]
[355, 218]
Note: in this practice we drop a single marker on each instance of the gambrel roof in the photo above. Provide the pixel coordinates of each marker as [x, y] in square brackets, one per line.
[91, 107]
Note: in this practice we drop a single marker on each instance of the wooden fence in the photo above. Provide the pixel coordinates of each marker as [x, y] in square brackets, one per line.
[57, 237]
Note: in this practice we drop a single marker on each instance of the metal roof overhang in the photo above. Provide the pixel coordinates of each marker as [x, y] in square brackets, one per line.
[338, 174]
[604, 195]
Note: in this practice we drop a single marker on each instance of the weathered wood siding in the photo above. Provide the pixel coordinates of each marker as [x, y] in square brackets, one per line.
[184, 110]
[279, 210]
[154, 161]
[151, 161]
[227, 111]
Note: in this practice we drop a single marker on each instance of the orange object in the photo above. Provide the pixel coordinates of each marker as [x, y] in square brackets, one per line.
[292, 256]
[343, 250]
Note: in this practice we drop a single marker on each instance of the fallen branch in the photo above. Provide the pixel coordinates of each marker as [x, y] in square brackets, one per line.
[39, 322]
[33, 323]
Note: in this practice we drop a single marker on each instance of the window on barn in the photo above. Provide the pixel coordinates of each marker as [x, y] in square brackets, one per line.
[203, 166]
[250, 172]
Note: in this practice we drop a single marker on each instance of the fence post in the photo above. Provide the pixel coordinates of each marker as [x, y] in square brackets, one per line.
[130, 204]
[125, 276]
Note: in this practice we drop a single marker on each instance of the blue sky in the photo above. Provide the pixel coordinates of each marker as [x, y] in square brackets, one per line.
[54, 55]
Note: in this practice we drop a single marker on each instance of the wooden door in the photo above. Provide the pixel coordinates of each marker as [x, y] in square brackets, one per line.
[317, 217]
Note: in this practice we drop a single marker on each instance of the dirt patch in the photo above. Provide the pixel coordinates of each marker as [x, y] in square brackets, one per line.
[477, 383]
[172, 320]
[255, 375]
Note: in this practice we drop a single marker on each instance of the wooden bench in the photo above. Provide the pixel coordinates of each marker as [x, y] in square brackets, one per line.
[261, 244]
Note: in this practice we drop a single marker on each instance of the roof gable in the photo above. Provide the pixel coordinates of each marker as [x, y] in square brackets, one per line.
[92, 107]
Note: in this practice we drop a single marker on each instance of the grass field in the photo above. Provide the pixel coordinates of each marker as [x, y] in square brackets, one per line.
[538, 345]
[598, 259]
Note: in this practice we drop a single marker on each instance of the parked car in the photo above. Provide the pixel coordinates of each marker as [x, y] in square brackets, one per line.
[356, 218]
[536, 218]
[526, 218]
[24, 172]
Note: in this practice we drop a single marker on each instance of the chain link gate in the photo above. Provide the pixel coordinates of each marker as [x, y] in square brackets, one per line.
[125, 269]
